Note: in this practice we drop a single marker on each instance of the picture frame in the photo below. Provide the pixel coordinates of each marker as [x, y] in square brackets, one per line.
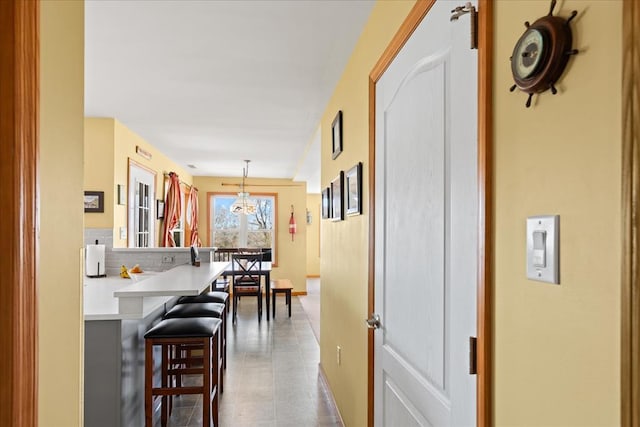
[337, 191]
[336, 135]
[159, 209]
[353, 188]
[122, 194]
[326, 203]
[94, 201]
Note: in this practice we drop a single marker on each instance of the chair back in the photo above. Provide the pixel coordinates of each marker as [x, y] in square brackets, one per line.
[242, 266]
[224, 254]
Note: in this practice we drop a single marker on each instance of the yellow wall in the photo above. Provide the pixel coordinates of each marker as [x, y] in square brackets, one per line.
[313, 235]
[109, 146]
[98, 169]
[125, 148]
[557, 347]
[61, 327]
[291, 256]
[344, 253]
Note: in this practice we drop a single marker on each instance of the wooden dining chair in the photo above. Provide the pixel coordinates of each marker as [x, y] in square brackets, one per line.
[246, 282]
[222, 284]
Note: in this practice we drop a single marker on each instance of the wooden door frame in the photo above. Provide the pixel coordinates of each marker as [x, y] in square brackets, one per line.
[630, 295]
[485, 197]
[19, 124]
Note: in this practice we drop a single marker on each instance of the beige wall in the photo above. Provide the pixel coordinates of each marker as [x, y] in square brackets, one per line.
[109, 147]
[125, 148]
[557, 347]
[98, 169]
[313, 235]
[61, 328]
[291, 256]
[344, 244]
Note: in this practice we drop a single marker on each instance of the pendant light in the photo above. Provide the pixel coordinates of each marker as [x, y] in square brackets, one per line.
[243, 204]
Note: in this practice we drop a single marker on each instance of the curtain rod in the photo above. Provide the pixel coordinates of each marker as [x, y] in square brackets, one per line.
[166, 175]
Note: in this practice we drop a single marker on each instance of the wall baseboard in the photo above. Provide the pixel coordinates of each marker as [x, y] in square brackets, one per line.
[313, 276]
[332, 400]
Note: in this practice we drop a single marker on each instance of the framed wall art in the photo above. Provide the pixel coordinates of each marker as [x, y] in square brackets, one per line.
[353, 187]
[122, 194]
[94, 201]
[337, 190]
[326, 203]
[336, 136]
[159, 209]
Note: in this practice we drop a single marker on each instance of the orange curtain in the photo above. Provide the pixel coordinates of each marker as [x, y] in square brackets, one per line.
[193, 217]
[172, 210]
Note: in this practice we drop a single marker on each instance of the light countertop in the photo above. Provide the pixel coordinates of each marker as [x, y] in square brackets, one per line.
[144, 293]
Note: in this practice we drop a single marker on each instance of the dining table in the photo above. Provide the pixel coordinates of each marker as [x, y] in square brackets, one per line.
[264, 270]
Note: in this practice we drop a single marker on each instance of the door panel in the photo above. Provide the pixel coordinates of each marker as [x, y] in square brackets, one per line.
[426, 227]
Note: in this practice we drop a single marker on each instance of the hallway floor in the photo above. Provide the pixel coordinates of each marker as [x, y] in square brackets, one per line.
[272, 376]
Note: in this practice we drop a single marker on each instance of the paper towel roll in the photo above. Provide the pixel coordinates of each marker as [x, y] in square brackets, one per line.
[94, 261]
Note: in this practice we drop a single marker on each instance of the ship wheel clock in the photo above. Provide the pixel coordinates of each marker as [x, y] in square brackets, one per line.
[541, 54]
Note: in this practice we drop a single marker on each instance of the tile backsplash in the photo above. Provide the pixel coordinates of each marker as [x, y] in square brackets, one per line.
[151, 259]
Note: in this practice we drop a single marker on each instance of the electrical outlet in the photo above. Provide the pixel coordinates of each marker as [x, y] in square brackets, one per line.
[339, 355]
[167, 259]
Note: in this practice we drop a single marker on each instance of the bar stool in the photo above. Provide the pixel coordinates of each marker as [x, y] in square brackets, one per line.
[213, 296]
[203, 309]
[203, 331]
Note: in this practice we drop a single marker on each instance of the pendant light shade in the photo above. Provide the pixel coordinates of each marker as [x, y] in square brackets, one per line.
[243, 205]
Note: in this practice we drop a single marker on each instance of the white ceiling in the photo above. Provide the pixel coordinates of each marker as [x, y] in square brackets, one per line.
[211, 83]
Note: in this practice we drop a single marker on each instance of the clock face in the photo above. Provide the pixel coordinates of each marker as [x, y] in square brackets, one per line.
[527, 54]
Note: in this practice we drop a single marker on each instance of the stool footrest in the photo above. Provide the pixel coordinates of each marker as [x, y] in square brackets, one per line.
[184, 371]
[168, 391]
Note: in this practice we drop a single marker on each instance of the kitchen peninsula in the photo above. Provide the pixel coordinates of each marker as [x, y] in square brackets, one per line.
[117, 313]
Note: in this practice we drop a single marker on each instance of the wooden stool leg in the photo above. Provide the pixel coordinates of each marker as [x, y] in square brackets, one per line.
[206, 383]
[273, 302]
[164, 368]
[217, 376]
[148, 383]
[289, 301]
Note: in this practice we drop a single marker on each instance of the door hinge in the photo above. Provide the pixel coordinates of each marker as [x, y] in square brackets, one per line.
[473, 13]
[473, 356]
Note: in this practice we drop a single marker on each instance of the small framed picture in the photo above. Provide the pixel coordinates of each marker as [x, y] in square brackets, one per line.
[122, 195]
[326, 203]
[337, 190]
[159, 209]
[353, 186]
[336, 135]
[94, 201]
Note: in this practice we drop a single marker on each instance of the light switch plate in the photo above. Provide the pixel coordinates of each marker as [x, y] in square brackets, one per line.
[123, 233]
[550, 272]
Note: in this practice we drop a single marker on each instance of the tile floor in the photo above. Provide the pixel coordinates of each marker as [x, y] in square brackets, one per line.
[272, 376]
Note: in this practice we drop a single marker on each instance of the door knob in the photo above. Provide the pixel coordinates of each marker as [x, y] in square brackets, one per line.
[373, 322]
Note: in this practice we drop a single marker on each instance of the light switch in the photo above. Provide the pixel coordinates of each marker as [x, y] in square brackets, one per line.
[542, 248]
[539, 248]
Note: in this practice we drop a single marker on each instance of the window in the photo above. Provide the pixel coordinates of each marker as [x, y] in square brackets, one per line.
[255, 230]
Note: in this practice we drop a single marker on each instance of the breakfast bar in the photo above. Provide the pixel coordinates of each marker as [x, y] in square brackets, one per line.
[183, 280]
[117, 313]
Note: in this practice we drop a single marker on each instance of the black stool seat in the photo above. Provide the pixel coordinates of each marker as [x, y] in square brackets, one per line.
[195, 327]
[201, 309]
[204, 309]
[215, 296]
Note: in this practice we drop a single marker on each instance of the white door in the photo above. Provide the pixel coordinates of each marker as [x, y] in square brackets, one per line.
[141, 224]
[426, 211]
